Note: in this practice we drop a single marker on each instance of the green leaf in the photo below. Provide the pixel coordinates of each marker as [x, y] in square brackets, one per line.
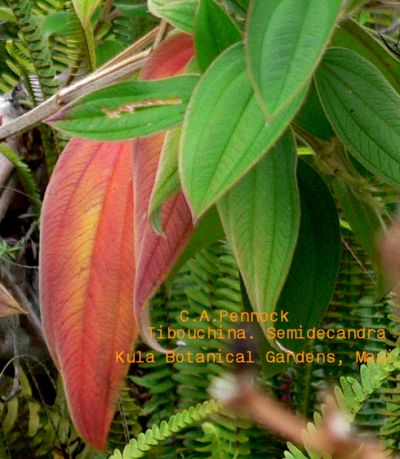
[236, 7]
[352, 35]
[179, 13]
[313, 273]
[214, 31]
[224, 131]
[55, 23]
[167, 180]
[85, 9]
[127, 110]
[363, 219]
[353, 4]
[286, 39]
[261, 217]
[6, 14]
[312, 119]
[363, 109]
[106, 50]
[132, 11]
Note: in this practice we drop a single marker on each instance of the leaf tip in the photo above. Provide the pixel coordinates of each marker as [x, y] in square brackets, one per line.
[146, 330]
[155, 221]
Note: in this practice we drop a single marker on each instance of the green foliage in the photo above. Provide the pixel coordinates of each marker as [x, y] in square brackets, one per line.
[302, 30]
[313, 274]
[167, 181]
[177, 422]
[389, 428]
[266, 68]
[363, 41]
[130, 109]
[38, 49]
[234, 143]
[352, 394]
[351, 113]
[209, 281]
[25, 175]
[363, 214]
[131, 21]
[126, 420]
[267, 225]
[353, 306]
[29, 423]
[79, 53]
[180, 13]
[214, 32]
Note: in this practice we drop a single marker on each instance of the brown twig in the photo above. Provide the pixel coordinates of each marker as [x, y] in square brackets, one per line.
[139, 45]
[93, 82]
[333, 436]
[123, 65]
[162, 30]
[24, 301]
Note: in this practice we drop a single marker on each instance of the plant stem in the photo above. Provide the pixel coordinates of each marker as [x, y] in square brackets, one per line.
[95, 81]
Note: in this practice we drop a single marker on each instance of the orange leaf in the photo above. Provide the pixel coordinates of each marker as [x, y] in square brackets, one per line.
[87, 261]
[86, 277]
[155, 254]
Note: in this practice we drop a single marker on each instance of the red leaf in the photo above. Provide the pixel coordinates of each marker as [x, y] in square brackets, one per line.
[88, 257]
[86, 277]
[155, 254]
[170, 58]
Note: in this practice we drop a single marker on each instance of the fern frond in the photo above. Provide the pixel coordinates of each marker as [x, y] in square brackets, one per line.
[215, 445]
[77, 48]
[352, 394]
[156, 378]
[131, 21]
[35, 430]
[212, 284]
[352, 306]
[42, 62]
[36, 45]
[25, 175]
[152, 437]
[125, 425]
[208, 282]
[18, 66]
[45, 7]
[29, 423]
[390, 430]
